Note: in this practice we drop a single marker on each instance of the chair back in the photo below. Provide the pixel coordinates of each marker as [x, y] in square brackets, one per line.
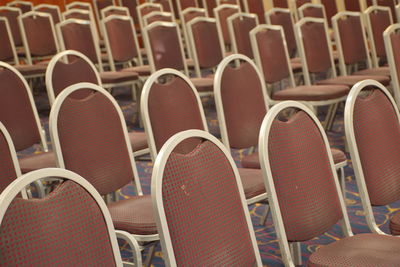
[53, 10]
[7, 46]
[99, 5]
[132, 7]
[24, 6]
[12, 14]
[114, 10]
[240, 25]
[157, 16]
[255, 7]
[166, 4]
[222, 13]
[312, 11]
[183, 4]
[146, 8]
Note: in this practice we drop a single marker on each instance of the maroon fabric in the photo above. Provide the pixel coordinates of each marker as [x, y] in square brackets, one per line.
[78, 15]
[24, 7]
[257, 7]
[330, 10]
[7, 167]
[116, 12]
[158, 17]
[380, 20]
[299, 3]
[165, 47]
[351, 80]
[131, 5]
[224, 14]
[195, 187]
[53, 12]
[193, 14]
[352, 5]
[313, 12]
[377, 133]
[380, 71]
[211, 4]
[187, 3]
[113, 77]
[252, 182]
[29, 70]
[148, 9]
[101, 4]
[78, 5]
[37, 161]
[6, 49]
[280, 3]
[138, 140]
[164, 4]
[395, 41]
[312, 93]
[286, 21]
[93, 142]
[66, 227]
[243, 103]
[241, 28]
[12, 17]
[303, 178]
[16, 111]
[207, 44]
[39, 35]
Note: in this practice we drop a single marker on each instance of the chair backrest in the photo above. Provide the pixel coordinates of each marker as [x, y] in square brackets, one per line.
[68, 68]
[241, 101]
[7, 47]
[315, 47]
[132, 7]
[75, 34]
[280, 3]
[255, 7]
[104, 159]
[99, 5]
[206, 44]
[12, 14]
[378, 18]
[312, 10]
[294, 5]
[144, 9]
[57, 228]
[121, 41]
[79, 5]
[331, 8]
[53, 10]
[372, 129]
[188, 15]
[271, 53]
[24, 6]
[157, 16]
[209, 5]
[183, 4]
[283, 17]
[300, 176]
[240, 25]
[114, 10]
[166, 4]
[193, 230]
[38, 35]
[392, 45]
[164, 48]
[351, 39]
[221, 14]
[18, 112]
[77, 14]
[170, 104]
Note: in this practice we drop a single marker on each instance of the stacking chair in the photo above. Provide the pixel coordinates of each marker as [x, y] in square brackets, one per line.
[114, 10]
[24, 6]
[12, 14]
[38, 36]
[352, 45]
[255, 7]
[97, 147]
[144, 9]
[165, 50]
[19, 115]
[193, 230]
[221, 14]
[303, 187]
[316, 55]
[378, 18]
[157, 16]
[392, 46]
[71, 226]
[372, 130]
[174, 106]
[53, 10]
[239, 26]
[188, 15]
[132, 7]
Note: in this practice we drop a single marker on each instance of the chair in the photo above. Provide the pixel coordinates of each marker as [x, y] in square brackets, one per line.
[221, 14]
[183, 4]
[71, 226]
[12, 14]
[378, 18]
[373, 149]
[173, 106]
[164, 50]
[188, 15]
[157, 16]
[144, 9]
[99, 5]
[97, 147]
[19, 115]
[24, 6]
[255, 7]
[53, 10]
[240, 25]
[209, 5]
[302, 183]
[38, 36]
[114, 10]
[193, 230]
[316, 55]
[331, 8]
[352, 45]
[312, 10]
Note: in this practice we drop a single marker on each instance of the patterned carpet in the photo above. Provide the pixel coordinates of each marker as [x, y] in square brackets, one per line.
[265, 233]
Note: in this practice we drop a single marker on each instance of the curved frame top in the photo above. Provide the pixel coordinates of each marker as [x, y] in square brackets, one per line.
[155, 13]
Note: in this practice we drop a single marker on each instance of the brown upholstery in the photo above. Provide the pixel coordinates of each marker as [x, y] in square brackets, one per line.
[362, 250]
[159, 17]
[353, 79]
[286, 21]
[8, 170]
[112, 77]
[224, 14]
[6, 49]
[395, 41]
[330, 10]
[138, 140]
[203, 84]
[118, 12]
[280, 3]
[164, 4]
[380, 20]
[313, 12]
[312, 93]
[37, 161]
[12, 17]
[101, 4]
[187, 3]
[77, 15]
[195, 187]
[148, 9]
[24, 7]
[134, 215]
[66, 227]
[257, 7]
[52, 11]
[28, 70]
[299, 3]
[131, 5]
[193, 14]
[241, 28]
[211, 4]
[380, 71]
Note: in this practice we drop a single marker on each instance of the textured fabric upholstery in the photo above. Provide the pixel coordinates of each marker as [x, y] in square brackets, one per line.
[7, 167]
[12, 17]
[224, 14]
[6, 49]
[38, 161]
[353, 79]
[131, 5]
[257, 7]
[53, 12]
[380, 20]
[285, 20]
[113, 77]
[241, 28]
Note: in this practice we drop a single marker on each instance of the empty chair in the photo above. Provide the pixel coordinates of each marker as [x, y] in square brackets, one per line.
[70, 226]
[38, 36]
[372, 125]
[193, 230]
[132, 7]
[378, 18]
[240, 25]
[316, 55]
[301, 180]
[392, 45]
[188, 15]
[255, 7]
[24, 6]
[157, 16]
[144, 9]
[53, 10]
[183, 4]
[19, 115]
[97, 147]
[221, 14]
[12, 14]
[114, 10]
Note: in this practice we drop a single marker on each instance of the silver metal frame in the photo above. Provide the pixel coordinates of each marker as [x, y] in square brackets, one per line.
[232, 31]
[391, 60]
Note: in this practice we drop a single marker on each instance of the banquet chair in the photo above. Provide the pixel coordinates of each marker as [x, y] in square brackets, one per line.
[303, 187]
[70, 226]
[53, 10]
[221, 14]
[255, 7]
[183, 4]
[12, 14]
[24, 6]
[193, 230]
[132, 7]
[239, 26]
[188, 15]
[144, 9]
[99, 5]
[312, 11]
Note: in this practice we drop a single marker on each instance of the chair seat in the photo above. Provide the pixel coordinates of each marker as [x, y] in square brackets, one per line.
[28, 70]
[312, 93]
[359, 250]
[190, 62]
[395, 224]
[351, 80]
[203, 84]
[253, 182]
[138, 141]
[37, 161]
[381, 71]
[117, 77]
[134, 215]
[252, 161]
[141, 70]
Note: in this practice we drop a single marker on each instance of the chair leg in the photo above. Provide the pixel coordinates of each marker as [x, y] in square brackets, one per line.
[264, 216]
[295, 249]
[150, 254]
[342, 181]
[332, 119]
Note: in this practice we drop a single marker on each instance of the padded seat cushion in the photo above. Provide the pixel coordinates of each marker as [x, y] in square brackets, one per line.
[141, 70]
[253, 183]
[108, 77]
[359, 250]
[351, 80]
[395, 224]
[37, 161]
[312, 93]
[203, 84]
[134, 215]
[27, 70]
[382, 71]
[138, 140]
